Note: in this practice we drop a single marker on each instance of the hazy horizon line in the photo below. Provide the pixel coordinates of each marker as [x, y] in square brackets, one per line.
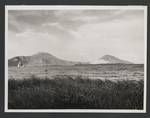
[89, 62]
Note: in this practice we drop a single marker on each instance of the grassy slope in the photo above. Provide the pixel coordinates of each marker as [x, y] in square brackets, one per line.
[80, 93]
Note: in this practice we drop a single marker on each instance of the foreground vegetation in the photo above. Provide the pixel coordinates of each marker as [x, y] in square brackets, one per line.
[65, 92]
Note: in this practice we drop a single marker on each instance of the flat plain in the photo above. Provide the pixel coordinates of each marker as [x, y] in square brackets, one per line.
[97, 71]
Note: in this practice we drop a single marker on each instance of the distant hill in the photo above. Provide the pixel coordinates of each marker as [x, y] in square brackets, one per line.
[43, 58]
[39, 59]
[109, 59]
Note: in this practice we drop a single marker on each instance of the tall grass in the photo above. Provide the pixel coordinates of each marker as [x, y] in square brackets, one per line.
[65, 92]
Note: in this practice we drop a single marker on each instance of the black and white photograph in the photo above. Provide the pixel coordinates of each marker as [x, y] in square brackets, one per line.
[75, 59]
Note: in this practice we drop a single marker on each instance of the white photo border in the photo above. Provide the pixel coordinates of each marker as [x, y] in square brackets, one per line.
[75, 7]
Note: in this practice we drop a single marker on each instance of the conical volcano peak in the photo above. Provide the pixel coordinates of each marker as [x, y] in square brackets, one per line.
[109, 59]
[40, 58]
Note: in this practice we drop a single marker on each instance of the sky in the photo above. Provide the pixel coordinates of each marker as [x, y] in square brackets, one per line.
[77, 35]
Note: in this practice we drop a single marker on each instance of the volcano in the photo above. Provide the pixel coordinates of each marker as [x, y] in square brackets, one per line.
[109, 59]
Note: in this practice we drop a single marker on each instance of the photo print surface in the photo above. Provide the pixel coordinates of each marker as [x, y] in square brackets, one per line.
[75, 58]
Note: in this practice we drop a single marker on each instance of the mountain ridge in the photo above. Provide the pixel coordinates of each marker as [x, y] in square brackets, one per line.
[41, 58]
[44, 58]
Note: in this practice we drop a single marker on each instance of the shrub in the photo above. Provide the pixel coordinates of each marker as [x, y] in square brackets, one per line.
[66, 92]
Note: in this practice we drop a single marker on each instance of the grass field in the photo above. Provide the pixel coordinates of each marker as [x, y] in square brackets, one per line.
[102, 71]
[105, 86]
[65, 92]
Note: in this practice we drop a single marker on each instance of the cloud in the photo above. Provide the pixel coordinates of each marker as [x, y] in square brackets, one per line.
[78, 35]
[20, 21]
